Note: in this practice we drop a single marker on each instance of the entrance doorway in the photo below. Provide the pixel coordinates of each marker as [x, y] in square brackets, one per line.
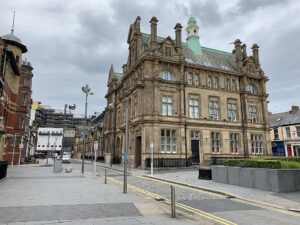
[195, 135]
[195, 151]
[138, 151]
[289, 150]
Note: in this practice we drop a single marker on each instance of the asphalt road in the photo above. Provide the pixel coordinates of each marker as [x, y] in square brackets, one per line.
[216, 207]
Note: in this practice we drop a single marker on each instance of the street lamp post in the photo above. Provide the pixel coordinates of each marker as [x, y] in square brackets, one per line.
[126, 147]
[112, 106]
[86, 89]
[151, 148]
[95, 157]
[48, 145]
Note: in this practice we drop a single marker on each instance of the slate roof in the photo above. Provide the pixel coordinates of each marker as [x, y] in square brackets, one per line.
[285, 118]
[210, 58]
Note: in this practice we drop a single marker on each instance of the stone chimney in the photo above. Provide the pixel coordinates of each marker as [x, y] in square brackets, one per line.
[295, 108]
[255, 48]
[238, 52]
[178, 28]
[244, 48]
[138, 24]
[153, 22]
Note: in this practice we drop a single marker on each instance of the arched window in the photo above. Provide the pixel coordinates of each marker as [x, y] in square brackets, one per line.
[166, 75]
[250, 88]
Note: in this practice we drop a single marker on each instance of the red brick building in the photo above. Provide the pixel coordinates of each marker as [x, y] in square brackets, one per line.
[15, 98]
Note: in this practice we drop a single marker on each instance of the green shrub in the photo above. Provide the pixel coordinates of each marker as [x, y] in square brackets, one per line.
[283, 158]
[290, 165]
[254, 163]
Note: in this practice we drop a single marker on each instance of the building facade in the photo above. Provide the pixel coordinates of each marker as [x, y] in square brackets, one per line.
[49, 141]
[187, 101]
[15, 99]
[285, 133]
[94, 134]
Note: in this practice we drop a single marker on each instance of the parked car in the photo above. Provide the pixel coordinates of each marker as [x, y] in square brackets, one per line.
[66, 158]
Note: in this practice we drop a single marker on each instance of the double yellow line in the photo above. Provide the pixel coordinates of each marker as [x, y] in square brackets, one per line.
[179, 205]
[283, 211]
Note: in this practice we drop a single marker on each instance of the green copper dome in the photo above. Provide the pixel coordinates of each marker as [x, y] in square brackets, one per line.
[192, 39]
[192, 21]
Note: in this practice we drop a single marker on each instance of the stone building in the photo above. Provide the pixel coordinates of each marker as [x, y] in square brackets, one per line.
[94, 134]
[190, 101]
[285, 133]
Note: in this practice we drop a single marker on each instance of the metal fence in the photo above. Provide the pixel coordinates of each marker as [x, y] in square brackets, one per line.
[168, 162]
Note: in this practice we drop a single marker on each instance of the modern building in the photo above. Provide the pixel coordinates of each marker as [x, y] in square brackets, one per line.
[15, 98]
[49, 140]
[56, 118]
[285, 133]
[188, 101]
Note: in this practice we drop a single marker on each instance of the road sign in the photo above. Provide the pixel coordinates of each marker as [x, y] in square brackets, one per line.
[95, 145]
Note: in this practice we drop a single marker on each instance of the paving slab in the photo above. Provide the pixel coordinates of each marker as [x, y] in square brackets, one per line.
[34, 195]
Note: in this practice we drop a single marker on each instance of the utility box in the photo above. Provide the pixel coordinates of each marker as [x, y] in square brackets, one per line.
[57, 167]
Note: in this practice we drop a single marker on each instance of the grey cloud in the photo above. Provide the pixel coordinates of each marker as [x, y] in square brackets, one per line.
[245, 6]
[207, 12]
[72, 43]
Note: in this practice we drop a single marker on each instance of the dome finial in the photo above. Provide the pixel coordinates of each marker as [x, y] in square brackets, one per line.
[13, 24]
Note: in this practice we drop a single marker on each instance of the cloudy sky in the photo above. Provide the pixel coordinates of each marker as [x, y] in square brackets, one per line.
[74, 42]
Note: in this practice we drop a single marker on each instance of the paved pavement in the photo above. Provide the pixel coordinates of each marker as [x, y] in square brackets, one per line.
[34, 195]
[220, 208]
[290, 201]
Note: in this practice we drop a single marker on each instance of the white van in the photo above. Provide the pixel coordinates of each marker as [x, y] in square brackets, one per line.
[66, 158]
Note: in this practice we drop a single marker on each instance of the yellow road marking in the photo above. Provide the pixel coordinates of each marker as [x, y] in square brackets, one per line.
[179, 205]
[283, 211]
[267, 207]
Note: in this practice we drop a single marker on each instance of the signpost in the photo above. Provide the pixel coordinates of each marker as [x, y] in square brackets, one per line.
[151, 148]
[95, 156]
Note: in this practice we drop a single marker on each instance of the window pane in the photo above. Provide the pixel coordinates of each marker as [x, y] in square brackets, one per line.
[168, 133]
[164, 109]
[174, 148]
[168, 148]
[170, 109]
[196, 78]
[173, 133]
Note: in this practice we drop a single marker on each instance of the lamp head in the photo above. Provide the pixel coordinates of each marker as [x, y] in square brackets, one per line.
[72, 107]
[86, 89]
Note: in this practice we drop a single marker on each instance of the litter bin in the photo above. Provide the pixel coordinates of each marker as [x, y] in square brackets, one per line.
[57, 167]
[3, 169]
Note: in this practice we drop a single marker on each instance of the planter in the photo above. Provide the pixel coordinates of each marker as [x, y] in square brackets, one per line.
[3, 169]
[204, 173]
[275, 180]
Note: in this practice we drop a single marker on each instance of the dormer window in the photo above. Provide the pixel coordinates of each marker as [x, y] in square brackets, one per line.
[250, 88]
[166, 75]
